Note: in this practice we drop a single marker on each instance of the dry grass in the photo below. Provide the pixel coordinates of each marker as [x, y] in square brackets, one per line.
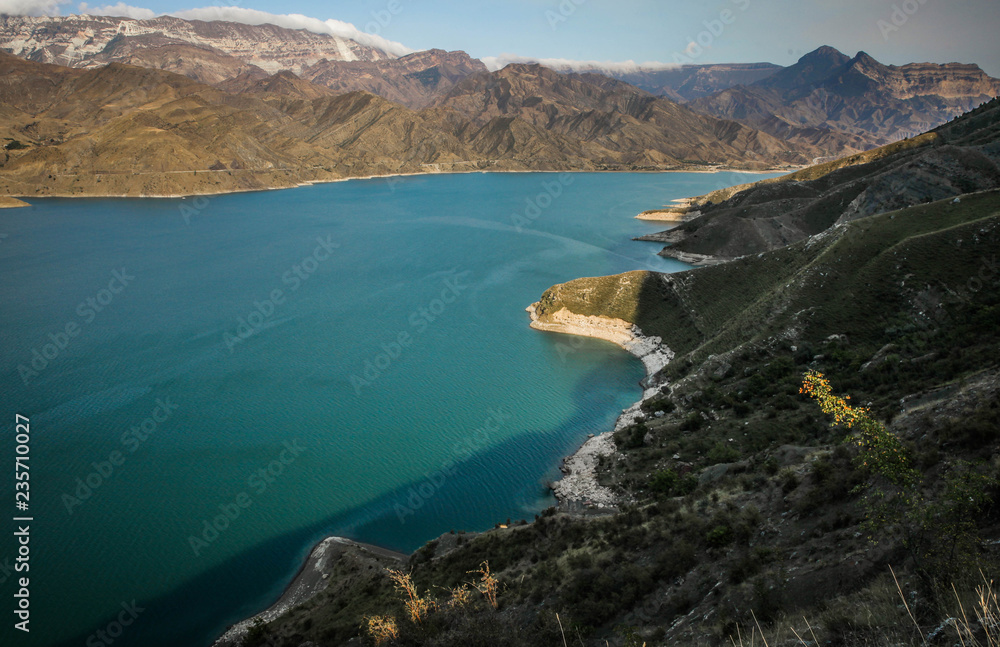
[984, 631]
[488, 584]
[418, 607]
[460, 597]
[976, 623]
[381, 629]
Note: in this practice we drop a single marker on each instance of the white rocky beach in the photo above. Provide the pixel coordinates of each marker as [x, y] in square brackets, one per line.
[579, 482]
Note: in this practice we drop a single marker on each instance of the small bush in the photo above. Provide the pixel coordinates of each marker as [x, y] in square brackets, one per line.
[693, 422]
[719, 536]
[722, 453]
[789, 480]
[664, 481]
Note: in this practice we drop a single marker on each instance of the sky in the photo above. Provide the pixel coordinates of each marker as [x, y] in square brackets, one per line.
[661, 32]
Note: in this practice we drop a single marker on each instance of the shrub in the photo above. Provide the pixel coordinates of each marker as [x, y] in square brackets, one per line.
[693, 422]
[677, 561]
[789, 480]
[722, 453]
[664, 481]
[719, 536]
[632, 437]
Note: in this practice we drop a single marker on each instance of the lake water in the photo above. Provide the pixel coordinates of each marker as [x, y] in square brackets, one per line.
[215, 384]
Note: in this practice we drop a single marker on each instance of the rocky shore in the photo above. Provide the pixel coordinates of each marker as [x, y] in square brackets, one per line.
[311, 579]
[579, 484]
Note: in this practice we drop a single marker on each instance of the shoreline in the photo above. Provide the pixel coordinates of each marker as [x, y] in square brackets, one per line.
[579, 483]
[8, 202]
[175, 196]
[577, 490]
[310, 580]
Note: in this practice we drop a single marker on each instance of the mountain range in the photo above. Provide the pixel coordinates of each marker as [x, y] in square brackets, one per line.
[868, 104]
[462, 116]
[127, 130]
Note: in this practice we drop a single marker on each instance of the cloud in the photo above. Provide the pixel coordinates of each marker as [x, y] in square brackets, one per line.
[232, 14]
[120, 9]
[569, 65]
[31, 7]
[294, 21]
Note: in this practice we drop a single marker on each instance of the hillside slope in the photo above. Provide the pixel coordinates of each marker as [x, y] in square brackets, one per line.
[740, 506]
[126, 130]
[959, 157]
[615, 116]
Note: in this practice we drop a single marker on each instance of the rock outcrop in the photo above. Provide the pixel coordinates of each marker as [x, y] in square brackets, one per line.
[850, 104]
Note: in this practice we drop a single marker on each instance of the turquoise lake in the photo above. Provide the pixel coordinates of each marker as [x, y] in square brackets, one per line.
[349, 359]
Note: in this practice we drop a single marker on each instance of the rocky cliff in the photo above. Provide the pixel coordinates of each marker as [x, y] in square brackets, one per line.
[858, 101]
[93, 41]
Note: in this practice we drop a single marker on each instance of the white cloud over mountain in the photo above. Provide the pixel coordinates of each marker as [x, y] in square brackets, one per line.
[294, 21]
[232, 14]
[31, 7]
[120, 9]
[569, 65]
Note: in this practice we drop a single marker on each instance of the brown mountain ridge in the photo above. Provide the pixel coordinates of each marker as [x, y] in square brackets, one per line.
[126, 130]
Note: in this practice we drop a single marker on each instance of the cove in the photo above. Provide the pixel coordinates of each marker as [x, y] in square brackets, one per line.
[376, 326]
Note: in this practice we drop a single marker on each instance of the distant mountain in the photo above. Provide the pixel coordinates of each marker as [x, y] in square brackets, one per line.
[827, 104]
[93, 41]
[854, 103]
[613, 120]
[415, 81]
[688, 82]
[960, 157]
[127, 130]
[236, 54]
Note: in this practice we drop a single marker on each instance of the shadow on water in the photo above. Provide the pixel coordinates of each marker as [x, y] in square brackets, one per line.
[199, 611]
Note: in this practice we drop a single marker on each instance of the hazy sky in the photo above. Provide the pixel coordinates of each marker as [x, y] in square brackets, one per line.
[778, 31]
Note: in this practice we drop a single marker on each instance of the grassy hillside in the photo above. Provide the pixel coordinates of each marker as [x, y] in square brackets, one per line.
[956, 158]
[741, 504]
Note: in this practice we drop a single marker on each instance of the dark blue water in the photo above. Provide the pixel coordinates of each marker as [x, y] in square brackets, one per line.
[215, 384]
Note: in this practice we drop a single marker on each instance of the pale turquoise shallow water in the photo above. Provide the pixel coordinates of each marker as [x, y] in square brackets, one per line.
[461, 425]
